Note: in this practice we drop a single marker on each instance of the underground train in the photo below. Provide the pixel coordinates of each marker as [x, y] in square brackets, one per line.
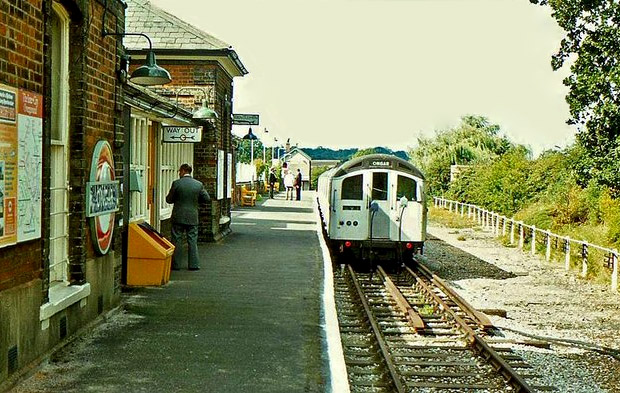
[374, 202]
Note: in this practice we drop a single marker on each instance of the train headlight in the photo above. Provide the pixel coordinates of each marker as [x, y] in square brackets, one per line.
[347, 244]
[409, 246]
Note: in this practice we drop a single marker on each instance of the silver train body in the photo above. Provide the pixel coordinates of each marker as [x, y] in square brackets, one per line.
[363, 207]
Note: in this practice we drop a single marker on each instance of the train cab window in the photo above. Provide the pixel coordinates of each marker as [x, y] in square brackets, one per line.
[406, 187]
[379, 186]
[352, 188]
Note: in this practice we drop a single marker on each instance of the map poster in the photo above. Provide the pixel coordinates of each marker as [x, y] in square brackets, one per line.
[8, 165]
[29, 165]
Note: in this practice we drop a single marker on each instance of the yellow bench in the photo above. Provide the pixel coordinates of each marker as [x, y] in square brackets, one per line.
[276, 186]
[248, 197]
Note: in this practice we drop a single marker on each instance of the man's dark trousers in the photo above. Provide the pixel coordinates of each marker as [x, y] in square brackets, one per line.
[191, 231]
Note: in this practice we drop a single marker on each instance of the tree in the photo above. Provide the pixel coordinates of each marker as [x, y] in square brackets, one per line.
[474, 140]
[593, 41]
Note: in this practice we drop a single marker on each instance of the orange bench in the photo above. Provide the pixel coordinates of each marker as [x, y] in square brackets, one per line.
[248, 197]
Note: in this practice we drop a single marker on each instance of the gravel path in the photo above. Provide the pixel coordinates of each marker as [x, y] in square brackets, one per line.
[540, 299]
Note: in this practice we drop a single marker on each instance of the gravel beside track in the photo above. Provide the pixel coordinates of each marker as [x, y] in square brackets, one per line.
[541, 299]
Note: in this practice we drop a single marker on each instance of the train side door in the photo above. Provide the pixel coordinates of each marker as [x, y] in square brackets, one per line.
[379, 187]
[410, 218]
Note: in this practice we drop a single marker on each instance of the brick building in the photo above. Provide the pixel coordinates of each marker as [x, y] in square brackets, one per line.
[201, 66]
[70, 124]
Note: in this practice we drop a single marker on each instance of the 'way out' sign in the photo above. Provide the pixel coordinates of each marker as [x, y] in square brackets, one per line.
[182, 134]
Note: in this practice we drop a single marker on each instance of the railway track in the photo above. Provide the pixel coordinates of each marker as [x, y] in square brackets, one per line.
[409, 332]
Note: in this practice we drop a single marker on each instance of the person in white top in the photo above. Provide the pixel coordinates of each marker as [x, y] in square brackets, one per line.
[289, 179]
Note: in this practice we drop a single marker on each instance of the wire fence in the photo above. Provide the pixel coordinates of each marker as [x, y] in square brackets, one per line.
[529, 238]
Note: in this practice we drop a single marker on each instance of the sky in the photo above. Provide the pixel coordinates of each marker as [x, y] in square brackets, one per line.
[366, 73]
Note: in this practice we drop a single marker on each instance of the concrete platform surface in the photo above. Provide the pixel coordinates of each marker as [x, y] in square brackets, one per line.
[248, 321]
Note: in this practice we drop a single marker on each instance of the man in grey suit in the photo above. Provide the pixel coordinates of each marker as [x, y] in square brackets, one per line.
[185, 193]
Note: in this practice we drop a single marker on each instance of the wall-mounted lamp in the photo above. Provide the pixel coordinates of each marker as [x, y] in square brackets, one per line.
[150, 74]
[203, 113]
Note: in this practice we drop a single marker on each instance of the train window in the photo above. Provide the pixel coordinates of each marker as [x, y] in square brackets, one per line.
[406, 187]
[352, 188]
[380, 186]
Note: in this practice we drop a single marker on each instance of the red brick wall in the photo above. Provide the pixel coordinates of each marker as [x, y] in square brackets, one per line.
[21, 44]
[95, 107]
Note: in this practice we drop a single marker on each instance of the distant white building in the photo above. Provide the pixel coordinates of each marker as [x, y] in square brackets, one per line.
[298, 159]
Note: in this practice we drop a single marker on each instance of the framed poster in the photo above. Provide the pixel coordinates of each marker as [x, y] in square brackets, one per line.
[229, 178]
[30, 165]
[8, 165]
[220, 174]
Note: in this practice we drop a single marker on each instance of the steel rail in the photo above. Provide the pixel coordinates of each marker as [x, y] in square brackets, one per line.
[476, 315]
[400, 388]
[412, 316]
[475, 341]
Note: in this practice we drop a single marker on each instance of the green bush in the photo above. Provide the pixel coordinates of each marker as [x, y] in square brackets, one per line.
[544, 192]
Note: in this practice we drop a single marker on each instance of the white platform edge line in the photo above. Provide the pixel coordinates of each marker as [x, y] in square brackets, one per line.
[339, 379]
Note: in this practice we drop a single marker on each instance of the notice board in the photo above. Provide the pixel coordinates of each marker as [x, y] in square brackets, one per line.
[21, 165]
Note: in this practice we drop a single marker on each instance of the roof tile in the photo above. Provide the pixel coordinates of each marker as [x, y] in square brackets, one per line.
[163, 29]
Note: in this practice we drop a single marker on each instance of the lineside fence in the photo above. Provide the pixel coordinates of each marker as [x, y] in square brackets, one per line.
[528, 236]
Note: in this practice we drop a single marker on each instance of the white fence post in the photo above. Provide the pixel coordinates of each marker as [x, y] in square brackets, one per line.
[533, 240]
[497, 225]
[512, 231]
[462, 209]
[614, 274]
[548, 253]
[521, 233]
[584, 259]
[567, 257]
[504, 218]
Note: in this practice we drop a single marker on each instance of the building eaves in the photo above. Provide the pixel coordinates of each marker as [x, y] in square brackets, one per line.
[159, 106]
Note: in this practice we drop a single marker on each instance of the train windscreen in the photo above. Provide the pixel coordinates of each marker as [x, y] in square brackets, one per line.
[352, 188]
[406, 187]
[379, 186]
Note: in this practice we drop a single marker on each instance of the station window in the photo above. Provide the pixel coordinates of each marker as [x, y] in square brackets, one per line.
[406, 187]
[139, 208]
[379, 186]
[172, 156]
[352, 188]
[59, 146]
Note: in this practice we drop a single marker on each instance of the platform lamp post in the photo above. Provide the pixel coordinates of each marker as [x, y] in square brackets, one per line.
[264, 148]
[252, 138]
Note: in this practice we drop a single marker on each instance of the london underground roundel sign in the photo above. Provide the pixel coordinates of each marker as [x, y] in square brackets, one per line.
[102, 195]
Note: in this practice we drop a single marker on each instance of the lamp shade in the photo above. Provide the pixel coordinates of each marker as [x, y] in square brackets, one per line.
[150, 73]
[250, 135]
[204, 112]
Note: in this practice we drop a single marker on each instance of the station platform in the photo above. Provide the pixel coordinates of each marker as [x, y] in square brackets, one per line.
[251, 319]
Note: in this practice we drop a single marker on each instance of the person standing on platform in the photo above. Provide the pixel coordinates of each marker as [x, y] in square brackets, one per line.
[186, 193]
[272, 181]
[289, 181]
[298, 184]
